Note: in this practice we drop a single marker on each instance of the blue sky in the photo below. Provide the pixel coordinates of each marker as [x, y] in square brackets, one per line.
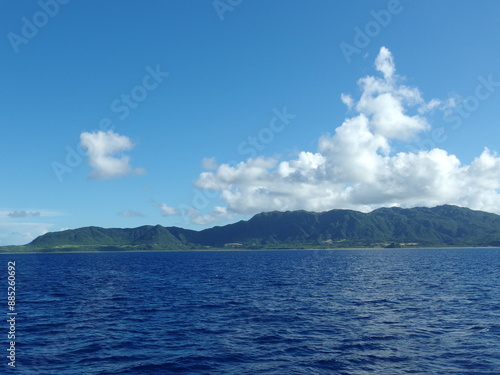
[201, 113]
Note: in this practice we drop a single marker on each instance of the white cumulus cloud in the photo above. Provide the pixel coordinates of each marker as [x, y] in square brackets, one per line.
[356, 167]
[106, 154]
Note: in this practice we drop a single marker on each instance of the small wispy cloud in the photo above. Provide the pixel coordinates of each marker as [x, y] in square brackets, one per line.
[166, 210]
[217, 215]
[347, 100]
[23, 213]
[106, 154]
[209, 164]
[20, 233]
[131, 213]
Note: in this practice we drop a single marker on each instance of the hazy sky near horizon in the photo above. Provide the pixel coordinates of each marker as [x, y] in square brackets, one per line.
[201, 113]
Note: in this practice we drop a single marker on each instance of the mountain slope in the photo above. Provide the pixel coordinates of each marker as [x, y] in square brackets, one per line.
[145, 238]
[438, 226]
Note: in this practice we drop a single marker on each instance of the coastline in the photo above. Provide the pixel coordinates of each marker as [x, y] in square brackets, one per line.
[248, 250]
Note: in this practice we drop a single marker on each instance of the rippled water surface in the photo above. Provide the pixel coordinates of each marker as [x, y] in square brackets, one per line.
[258, 312]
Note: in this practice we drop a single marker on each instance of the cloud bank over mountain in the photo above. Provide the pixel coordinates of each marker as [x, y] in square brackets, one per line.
[357, 167]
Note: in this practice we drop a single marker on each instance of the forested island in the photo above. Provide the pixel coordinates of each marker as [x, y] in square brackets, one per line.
[439, 226]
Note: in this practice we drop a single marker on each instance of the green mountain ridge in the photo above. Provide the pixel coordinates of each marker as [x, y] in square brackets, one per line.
[385, 227]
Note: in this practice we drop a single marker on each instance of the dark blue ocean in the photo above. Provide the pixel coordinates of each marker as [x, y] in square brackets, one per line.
[425, 311]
